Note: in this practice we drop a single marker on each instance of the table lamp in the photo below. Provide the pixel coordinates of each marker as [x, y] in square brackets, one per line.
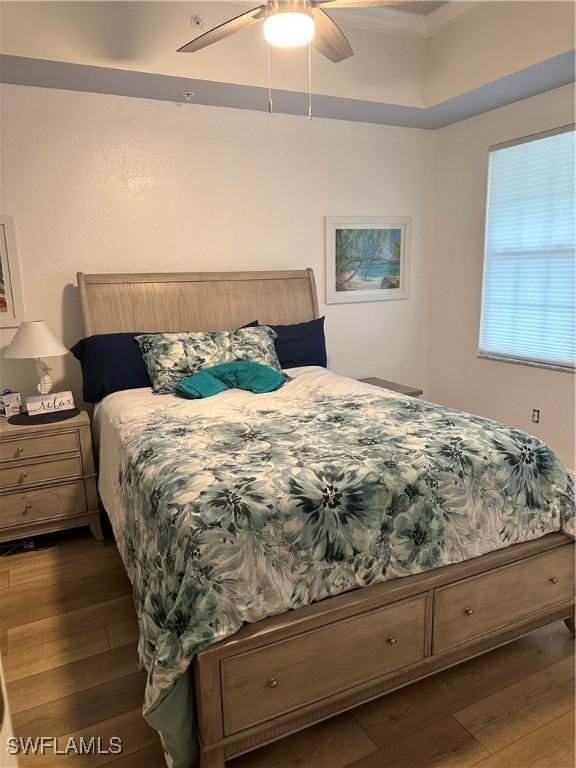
[34, 340]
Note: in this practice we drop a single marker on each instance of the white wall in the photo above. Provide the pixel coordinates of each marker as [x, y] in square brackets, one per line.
[455, 375]
[103, 183]
[109, 184]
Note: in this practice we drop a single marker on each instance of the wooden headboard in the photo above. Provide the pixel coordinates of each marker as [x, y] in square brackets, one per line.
[195, 301]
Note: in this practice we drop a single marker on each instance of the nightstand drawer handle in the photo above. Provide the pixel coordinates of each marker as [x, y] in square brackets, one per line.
[19, 451]
[468, 611]
[392, 640]
[27, 509]
[273, 683]
[23, 476]
[554, 580]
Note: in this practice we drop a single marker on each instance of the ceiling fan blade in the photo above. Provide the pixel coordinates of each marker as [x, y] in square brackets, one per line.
[329, 38]
[328, 4]
[224, 30]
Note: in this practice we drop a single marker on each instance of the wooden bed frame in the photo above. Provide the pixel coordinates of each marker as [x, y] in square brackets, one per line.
[285, 673]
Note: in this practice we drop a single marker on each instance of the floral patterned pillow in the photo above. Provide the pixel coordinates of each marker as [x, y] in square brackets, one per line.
[256, 344]
[170, 357]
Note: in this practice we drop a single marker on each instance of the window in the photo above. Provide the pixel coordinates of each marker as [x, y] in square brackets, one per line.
[528, 301]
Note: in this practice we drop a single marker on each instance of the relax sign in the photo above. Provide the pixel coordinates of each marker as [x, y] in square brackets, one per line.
[55, 401]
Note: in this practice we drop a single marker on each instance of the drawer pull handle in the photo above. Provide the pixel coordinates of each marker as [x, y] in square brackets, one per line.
[19, 451]
[27, 509]
[273, 683]
[554, 580]
[468, 611]
[23, 475]
[392, 640]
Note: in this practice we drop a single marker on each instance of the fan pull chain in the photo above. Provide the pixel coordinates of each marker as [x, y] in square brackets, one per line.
[270, 103]
[309, 82]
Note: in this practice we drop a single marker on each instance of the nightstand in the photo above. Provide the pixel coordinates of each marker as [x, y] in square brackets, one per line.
[47, 478]
[403, 389]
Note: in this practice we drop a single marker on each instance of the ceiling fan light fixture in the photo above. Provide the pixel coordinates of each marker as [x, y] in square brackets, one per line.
[289, 29]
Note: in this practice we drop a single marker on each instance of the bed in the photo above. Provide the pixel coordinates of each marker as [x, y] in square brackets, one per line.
[297, 553]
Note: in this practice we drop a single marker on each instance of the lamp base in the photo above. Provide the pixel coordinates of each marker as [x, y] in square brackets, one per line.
[43, 418]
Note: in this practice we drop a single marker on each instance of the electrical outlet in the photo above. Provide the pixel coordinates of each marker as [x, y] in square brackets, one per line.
[536, 415]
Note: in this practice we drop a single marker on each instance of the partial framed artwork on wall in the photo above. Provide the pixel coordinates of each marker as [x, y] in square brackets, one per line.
[11, 302]
[367, 258]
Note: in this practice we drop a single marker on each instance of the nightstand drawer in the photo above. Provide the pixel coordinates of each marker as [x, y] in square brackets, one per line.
[30, 506]
[39, 472]
[42, 445]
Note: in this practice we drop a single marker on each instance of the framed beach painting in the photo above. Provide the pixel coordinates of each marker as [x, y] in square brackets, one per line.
[367, 258]
[11, 303]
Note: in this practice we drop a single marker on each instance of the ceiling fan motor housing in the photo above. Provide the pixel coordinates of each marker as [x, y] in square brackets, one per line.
[288, 6]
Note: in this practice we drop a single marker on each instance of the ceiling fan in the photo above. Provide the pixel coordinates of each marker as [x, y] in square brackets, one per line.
[292, 23]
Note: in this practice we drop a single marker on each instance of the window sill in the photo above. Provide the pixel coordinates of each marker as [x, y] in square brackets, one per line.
[530, 363]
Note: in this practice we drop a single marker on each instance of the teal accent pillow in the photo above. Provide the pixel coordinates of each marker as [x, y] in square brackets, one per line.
[237, 374]
[171, 357]
[201, 384]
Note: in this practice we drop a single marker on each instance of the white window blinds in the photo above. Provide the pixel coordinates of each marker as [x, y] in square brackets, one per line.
[528, 302]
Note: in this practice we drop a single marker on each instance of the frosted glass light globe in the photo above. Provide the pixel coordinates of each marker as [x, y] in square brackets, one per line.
[289, 29]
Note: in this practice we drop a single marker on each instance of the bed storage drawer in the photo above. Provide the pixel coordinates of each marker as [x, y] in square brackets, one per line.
[282, 676]
[483, 604]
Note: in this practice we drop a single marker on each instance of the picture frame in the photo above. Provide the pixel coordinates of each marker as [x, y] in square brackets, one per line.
[11, 300]
[367, 258]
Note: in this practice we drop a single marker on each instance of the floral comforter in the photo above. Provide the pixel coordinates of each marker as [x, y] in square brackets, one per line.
[235, 508]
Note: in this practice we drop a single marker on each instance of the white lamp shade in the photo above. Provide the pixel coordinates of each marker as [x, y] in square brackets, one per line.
[34, 339]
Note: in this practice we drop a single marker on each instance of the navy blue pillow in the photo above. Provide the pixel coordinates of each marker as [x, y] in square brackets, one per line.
[301, 344]
[113, 362]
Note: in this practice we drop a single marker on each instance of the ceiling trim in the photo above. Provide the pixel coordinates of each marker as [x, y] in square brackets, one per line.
[538, 78]
[382, 20]
[404, 22]
[446, 14]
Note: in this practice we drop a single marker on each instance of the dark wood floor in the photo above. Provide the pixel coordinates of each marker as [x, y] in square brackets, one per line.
[68, 638]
